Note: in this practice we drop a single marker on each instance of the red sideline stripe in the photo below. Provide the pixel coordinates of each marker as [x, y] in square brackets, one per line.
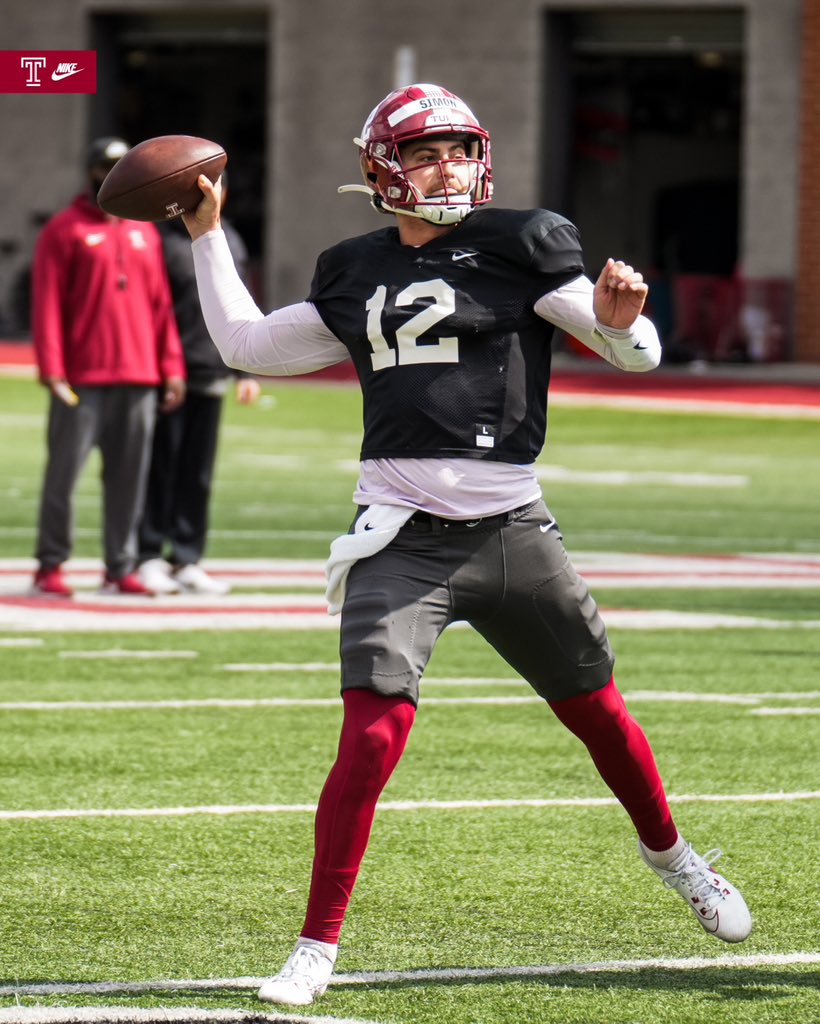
[16, 353]
[707, 389]
[663, 384]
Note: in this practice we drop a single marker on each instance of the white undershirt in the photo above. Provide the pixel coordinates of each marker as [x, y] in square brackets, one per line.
[295, 340]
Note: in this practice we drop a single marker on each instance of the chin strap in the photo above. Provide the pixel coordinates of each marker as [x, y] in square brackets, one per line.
[375, 198]
[356, 188]
[433, 214]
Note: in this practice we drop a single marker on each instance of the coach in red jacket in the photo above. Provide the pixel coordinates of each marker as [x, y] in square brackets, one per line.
[108, 349]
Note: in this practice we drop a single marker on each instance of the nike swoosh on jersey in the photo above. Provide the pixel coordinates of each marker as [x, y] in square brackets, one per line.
[639, 347]
[462, 256]
[56, 76]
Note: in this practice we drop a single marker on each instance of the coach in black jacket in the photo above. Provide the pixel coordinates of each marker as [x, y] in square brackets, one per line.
[174, 524]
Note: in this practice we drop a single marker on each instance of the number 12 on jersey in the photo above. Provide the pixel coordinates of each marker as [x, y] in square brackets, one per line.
[408, 350]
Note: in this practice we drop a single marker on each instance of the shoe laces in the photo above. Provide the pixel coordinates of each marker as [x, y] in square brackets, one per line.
[302, 964]
[695, 876]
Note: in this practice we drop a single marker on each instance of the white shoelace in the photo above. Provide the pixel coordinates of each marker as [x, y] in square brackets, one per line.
[303, 963]
[695, 878]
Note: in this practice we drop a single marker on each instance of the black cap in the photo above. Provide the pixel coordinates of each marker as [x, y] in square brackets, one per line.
[106, 151]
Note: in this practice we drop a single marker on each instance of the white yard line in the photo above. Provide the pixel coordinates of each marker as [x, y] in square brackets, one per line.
[119, 652]
[630, 478]
[682, 697]
[144, 1015]
[644, 696]
[424, 976]
[284, 666]
[220, 810]
[169, 705]
[595, 967]
[786, 711]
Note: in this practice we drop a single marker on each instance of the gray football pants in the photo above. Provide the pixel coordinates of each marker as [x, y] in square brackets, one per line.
[119, 420]
[507, 575]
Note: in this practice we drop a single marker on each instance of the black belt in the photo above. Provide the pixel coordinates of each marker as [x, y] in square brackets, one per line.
[427, 521]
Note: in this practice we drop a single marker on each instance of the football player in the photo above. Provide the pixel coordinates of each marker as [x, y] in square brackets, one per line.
[447, 314]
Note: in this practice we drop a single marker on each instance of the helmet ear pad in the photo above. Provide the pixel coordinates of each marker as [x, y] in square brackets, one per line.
[368, 170]
[387, 176]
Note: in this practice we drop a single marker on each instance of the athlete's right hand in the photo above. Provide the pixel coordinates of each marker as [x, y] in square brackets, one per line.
[206, 216]
[60, 388]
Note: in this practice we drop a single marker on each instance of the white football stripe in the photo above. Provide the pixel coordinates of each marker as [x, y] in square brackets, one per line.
[595, 967]
[630, 478]
[284, 666]
[422, 975]
[145, 1015]
[786, 711]
[219, 810]
[638, 696]
[123, 653]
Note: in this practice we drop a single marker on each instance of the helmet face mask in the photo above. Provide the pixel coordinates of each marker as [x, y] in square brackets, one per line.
[425, 113]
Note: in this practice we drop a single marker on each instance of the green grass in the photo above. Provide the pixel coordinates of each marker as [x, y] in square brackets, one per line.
[204, 896]
[286, 472]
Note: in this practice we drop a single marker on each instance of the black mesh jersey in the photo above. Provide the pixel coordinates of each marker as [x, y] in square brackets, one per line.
[451, 357]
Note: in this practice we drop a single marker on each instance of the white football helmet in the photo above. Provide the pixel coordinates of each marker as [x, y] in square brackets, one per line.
[416, 112]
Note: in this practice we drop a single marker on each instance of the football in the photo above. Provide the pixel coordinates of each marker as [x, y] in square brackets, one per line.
[157, 179]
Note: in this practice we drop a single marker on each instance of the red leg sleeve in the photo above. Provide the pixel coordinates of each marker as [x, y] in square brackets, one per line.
[624, 760]
[373, 738]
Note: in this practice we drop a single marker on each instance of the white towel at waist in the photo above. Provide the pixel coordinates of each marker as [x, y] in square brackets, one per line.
[373, 530]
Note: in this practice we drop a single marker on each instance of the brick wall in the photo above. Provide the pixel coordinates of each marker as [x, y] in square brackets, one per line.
[807, 294]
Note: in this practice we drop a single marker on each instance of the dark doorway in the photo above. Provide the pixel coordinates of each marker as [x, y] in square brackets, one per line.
[644, 114]
[192, 73]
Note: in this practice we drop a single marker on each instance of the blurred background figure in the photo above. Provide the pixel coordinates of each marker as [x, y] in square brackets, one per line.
[174, 525]
[105, 341]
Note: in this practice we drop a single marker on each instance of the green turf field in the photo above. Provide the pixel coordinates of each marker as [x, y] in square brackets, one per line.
[546, 903]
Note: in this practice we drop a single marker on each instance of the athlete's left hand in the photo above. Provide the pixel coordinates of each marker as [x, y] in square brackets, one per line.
[248, 390]
[620, 293]
[172, 394]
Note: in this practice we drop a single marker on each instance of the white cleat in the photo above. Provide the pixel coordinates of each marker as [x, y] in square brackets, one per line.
[194, 580]
[304, 977]
[155, 575]
[716, 903]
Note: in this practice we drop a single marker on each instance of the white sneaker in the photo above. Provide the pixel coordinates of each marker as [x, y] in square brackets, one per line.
[155, 575]
[718, 906]
[304, 977]
[194, 580]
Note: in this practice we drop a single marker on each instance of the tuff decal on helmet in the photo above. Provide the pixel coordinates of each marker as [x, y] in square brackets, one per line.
[403, 117]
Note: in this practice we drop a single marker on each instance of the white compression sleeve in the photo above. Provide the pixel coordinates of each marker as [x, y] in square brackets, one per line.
[290, 340]
[570, 307]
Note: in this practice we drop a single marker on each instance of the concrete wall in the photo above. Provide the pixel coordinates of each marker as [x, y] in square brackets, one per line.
[331, 60]
[807, 298]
